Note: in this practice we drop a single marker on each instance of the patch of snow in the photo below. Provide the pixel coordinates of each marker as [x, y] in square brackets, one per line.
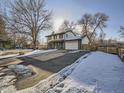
[28, 54]
[21, 70]
[38, 52]
[95, 72]
[7, 80]
[7, 56]
[10, 89]
[105, 72]
[48, 84]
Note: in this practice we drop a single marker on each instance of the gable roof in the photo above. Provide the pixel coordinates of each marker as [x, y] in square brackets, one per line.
[73, 38]
[59, 33]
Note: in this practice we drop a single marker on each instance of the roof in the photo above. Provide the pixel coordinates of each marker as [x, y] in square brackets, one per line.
[73, 38]
[60, 33]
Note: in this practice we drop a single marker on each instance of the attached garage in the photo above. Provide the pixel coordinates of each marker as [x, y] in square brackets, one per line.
[72, 45]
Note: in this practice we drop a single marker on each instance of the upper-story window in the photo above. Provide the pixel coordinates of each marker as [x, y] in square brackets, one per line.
[60, 36]
[55, 37]
[66, 35]
[52, 37]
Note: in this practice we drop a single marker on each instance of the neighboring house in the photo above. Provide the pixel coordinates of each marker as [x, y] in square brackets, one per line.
[66, 40]
[3, 41]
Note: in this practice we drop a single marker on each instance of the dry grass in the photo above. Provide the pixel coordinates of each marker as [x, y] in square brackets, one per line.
[9, 52]
[33, 80]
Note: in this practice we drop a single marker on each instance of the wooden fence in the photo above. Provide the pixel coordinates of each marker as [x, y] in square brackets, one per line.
[108, 49]
[121, 53]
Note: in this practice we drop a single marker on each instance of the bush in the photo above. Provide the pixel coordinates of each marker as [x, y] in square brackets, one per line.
[21, 53]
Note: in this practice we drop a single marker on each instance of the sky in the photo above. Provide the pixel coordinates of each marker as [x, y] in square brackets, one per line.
[73, 10]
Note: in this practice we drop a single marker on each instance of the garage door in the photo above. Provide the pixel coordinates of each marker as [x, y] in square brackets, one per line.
[71, 45]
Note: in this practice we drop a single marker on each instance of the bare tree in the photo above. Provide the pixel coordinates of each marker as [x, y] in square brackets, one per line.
[2, 25]
[19, 40]
[91, 24]
[121, 31]
[101, 37]
[29, 17]
[66, 25]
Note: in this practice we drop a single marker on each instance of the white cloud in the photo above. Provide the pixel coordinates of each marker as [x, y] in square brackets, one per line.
[57, 23]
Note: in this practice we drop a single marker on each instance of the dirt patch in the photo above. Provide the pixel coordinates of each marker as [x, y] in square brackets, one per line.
[9, 61]
[10, 52]
[33, 80]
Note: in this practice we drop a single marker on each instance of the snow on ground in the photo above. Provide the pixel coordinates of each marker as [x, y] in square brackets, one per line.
[53, 83]
[27, 54]
[7, 56]
[103, 71]
[12, 53]
[95, 72]
[38, 52]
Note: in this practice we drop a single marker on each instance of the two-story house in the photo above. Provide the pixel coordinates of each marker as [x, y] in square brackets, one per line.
[66, 40]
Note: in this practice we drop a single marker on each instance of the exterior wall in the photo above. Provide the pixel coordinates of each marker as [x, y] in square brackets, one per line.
[56, 45]
[85, 40]
[60, 36]
[68, 34]
[58, 41]
[79, 44]
[52, 37]
[57, 36]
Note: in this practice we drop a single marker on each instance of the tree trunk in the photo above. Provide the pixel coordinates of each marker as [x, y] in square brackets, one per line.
[90, 45]
[34, 45]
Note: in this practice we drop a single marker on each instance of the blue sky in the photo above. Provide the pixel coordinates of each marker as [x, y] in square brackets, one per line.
[72, 10]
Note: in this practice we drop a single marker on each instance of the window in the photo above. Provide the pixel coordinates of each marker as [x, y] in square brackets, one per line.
[66, 35]
[56, 37]
[60, 36]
